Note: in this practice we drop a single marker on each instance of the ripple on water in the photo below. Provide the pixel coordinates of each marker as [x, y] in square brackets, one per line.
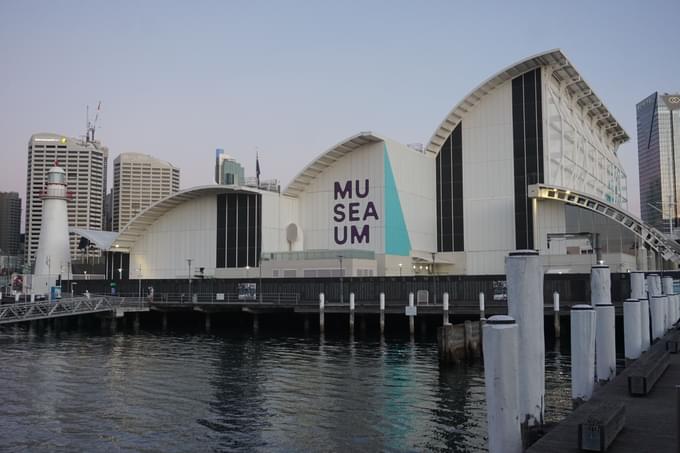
[185, 392]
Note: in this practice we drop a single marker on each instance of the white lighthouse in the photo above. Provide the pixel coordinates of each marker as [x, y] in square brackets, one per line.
[53, 256]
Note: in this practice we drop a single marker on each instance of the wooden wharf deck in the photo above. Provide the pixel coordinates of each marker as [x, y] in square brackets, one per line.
[651, 424]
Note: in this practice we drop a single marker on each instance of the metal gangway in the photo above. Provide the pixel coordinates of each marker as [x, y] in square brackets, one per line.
[31, 311]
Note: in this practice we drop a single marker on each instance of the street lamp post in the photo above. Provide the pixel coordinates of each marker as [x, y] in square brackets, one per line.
[341, 283]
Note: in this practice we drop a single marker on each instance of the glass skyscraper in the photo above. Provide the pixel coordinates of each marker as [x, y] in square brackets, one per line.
[658, 137]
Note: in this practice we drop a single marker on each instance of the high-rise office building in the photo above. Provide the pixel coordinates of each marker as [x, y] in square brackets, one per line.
[658, 136]
[140, 180]
[227, 170]
[85, 163]
[10, 223]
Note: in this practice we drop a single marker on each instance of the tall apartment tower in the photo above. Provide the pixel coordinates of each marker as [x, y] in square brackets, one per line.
[10, 223]
[85, 162]
[139, 181]
[658, 137]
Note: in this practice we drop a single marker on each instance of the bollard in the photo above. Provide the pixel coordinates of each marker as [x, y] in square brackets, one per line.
[501, 376]
[582, 353]
[637, 285]
[667, 285]
[382, 313]
[446, 309]
[525, 305]
[321, 310]
[632, 337]
[644, 325]
[651, 287]
[600, 285]
[556, 315]
[411, 319]
[605, 346]
[656, 309]
[351, 312]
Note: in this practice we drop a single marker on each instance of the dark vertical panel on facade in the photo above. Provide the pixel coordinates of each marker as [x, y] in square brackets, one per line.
[242, 231]
[527, 134]
[438, 188]
[449, 174]
[252, 230]
[231, 229]
[457, 184]
[446, 198]
[539, 125]
[221, 247]
[259, 229]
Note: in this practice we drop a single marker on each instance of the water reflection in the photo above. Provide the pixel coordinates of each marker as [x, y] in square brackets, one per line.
[238, 392]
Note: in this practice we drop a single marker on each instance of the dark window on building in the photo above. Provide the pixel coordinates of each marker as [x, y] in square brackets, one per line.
[239, 230]
[527, 135]
[449, 170]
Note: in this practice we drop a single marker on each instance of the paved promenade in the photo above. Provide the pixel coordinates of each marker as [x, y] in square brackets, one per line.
[651, 421]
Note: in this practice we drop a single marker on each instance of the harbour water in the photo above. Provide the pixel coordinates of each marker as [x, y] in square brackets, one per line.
[182, 391]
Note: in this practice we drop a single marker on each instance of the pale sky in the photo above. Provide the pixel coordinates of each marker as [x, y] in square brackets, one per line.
[292, 78]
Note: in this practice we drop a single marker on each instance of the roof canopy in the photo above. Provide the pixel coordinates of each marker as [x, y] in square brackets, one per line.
[140, 223]
[563, 71]
[328, 158]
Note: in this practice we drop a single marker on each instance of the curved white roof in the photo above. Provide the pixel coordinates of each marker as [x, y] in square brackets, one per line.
[139, 224]
[328, 158]
[563, 71]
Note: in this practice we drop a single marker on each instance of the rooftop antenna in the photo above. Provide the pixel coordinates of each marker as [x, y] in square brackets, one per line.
[92, 125]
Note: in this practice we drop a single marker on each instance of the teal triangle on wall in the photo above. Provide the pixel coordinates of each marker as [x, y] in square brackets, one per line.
[396, 234]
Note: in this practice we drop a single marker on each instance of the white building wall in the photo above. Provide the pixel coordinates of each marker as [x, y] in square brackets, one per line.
[317, 201]
[187, 231]
[278, 211]
[414, 175]
[488, 186]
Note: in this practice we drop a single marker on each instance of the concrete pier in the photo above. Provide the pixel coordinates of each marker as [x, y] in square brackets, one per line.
[583, 327]
[637, 285]
[382, 313]
[501, 376]
[632, 336]
[322, 304]
[525, 305]
[411, 319]
[556, 314]
[351, 312]
[644, 324]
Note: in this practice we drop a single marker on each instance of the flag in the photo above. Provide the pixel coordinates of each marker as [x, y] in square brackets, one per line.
[257, 169]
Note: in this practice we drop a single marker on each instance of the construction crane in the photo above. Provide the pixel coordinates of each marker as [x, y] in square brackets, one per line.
[92, 125]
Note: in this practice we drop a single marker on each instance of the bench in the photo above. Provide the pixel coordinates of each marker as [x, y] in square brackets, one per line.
[646, 371]
[673, 344]
[601, 426]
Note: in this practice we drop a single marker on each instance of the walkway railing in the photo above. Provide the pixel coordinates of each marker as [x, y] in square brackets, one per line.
[228, 298]
[29, 311]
